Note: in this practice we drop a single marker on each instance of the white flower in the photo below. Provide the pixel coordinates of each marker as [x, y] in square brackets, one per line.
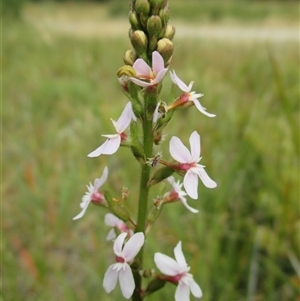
[188, 95]
[93, 194]
[178, 272]
[121, 270]
[111, 145]
[178, 193]
[188, 162]
[113, 221]
[147, 77]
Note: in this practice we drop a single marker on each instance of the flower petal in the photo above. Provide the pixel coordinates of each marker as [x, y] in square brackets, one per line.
[110, 279]
[111, 145]
[83, 210]
[142, 69]
[190, 183]
[118, 244]
[202, 109]
[195, 289]
[207, 181]
[179, 256]
[111, 220]
[159, 76]
[125, 119]
[126, 281]
[133, 246]
[166, 264]
[111, 234]
[157, 62]
[99, 182]
[99, 151]
[184, 202]
[179, 151]
[182, 292]
[176, 80]
[195, 146]
[140, 83]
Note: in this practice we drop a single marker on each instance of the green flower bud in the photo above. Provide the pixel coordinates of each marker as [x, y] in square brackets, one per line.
[165, 15]
[154, 25]
[161, 175]
[155, 285]
[152, 43]
[165, 48]
[153, 215]
[142, 7]
[158, 3]
[170, 32]
[127, 71]
[129, 57]
[139, 41]
[133, 20]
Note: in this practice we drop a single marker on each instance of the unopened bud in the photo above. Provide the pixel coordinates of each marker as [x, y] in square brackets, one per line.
[142, 7]
[165, 48]
[165, 15]
[127, 71]
[133, 20]
[129, 57]
[170, 32]
[161, 175]
[139, 41]
[154, 25]
[155, 285]
[152, 43]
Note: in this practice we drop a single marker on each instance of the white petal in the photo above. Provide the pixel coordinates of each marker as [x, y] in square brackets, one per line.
[159, 76]
[195, 145]
[184, 202]
[133, 246]
[110, 279]
[125, 119]
[111, 220]
[157, 62]
[195, 289]
[179, 256]
[111, 145]
[98, 151]
[179, 151]
[140, 83]
[83, 210]
[141, 68]
[118, 244]
[167, 265]
[201, 109]
[126, 281]
[102, 180]
[111, 234]
[176, 80]
[207, 181]
[190, 183]
[182, 292]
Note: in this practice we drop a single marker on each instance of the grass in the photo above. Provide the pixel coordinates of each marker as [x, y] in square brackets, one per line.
[58, 95]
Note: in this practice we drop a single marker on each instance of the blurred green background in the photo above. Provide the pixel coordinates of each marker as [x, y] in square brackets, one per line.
[59, 91]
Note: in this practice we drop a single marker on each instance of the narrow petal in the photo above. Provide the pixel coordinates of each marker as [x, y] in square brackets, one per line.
[118, 244]
[179, 256]
[207, 181]
[111, 234]
[159, 76]
[195, 289]
[182, 292]
[179, 151]
[102, 180]
[111, 145]
[140, 83]
[184, 202]
[167, 265]
[176, 80]
[99, 151]
[110, 279]
[126, 281]
[111, 220]
[157, 62]
[133, 246]
[190, 183]
[125, 119]
[201, 109]
[83, 210]
[195, 145]
[141, 68]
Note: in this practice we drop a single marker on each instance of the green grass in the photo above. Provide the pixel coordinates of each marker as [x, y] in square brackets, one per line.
[58, 95]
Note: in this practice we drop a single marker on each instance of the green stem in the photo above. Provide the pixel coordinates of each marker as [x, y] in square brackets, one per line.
[144, 192]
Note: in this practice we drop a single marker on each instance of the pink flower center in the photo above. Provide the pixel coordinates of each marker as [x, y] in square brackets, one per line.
[97, 197]
[123, 136]
[120, 259]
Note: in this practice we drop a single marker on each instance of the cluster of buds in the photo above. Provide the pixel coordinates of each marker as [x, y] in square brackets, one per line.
[139, 128]
[150, 30]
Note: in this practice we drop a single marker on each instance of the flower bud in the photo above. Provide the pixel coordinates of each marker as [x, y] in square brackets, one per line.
[155, 285]
[126, 70]
[152, 43]
[165, 48]
[142, 7]
[158, 3]
[139, 41]
[154, 25]
[170, 32]
[161, 175]
[133, 20]
[129, 57]
[165, 15]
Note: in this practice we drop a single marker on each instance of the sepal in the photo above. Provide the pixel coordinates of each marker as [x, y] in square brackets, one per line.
[161, 175]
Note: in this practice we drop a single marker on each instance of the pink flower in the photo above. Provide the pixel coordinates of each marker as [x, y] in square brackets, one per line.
[113, 221]
[187, 96]
[177, 270]
[93, 194]
[188, 162]
[121, 270]
[145, 76]
[113, 142]
[177, 193]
